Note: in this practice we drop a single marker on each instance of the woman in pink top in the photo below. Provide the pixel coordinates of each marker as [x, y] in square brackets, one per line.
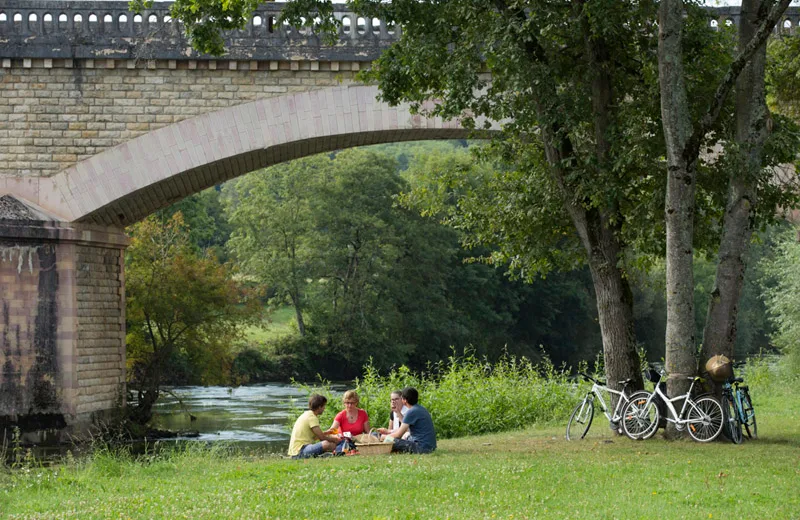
[352, 419]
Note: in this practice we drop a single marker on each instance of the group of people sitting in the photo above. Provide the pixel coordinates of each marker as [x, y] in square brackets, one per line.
[410, 428]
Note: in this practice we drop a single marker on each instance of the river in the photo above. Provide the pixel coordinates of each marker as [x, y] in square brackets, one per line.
[251, 417]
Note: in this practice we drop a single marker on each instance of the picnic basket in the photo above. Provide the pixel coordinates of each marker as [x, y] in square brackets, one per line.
[368, 444]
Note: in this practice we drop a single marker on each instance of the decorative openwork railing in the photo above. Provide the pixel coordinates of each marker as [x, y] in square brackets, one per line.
[107, 29]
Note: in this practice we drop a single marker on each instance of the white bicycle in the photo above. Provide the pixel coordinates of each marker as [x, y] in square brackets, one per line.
[581, 419]
[701, 416]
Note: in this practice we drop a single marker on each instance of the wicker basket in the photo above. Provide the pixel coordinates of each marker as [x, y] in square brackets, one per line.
[381, 448]
[368, 444]
[719, 368]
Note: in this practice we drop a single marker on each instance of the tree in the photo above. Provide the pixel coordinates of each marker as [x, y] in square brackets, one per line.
[782, 295]
[480, 201]
[388, 284]
[205, 218]
[685, 136]
[273, 238]
[177, 302]
[783, 75]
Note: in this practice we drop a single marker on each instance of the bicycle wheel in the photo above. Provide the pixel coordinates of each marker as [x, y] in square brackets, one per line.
[640, 417]
[581, 419]
[705, 419]
[733, 423]
[749, 415]
[616, 420]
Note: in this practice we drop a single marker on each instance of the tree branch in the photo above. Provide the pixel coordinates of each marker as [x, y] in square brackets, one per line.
[739, 63]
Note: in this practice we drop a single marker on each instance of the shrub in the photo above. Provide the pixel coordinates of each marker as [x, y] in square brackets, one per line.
[466, 395]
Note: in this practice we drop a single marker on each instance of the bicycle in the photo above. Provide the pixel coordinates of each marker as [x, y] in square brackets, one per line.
[583, 413]
[703, 416]
[733, 420]
[739, 409]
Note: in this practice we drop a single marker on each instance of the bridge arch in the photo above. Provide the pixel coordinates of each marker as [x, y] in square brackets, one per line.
[132, 180]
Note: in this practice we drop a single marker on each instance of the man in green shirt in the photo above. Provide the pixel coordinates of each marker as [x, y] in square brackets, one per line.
[308, 439]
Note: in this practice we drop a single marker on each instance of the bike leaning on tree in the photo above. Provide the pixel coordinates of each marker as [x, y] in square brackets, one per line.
[581, 419]
[739, 411]
[703, 417]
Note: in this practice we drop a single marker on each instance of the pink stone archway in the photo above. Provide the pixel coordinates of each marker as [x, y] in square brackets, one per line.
[132, 180]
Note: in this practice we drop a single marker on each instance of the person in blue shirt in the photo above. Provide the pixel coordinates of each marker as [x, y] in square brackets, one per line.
[418, 421]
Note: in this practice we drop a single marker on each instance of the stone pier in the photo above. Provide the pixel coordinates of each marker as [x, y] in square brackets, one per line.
[62, 320]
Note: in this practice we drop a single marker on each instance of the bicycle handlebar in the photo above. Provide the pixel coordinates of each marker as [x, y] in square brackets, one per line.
[590, 379]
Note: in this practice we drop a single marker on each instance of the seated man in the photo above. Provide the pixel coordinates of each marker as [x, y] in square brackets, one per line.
[308, 440]
[418, 421]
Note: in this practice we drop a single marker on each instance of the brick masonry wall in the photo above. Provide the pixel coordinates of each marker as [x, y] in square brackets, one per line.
[62, 319]
[37, 330]
[55, 113]
[101, 328]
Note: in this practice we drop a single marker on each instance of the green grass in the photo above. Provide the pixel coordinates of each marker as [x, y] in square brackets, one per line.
[532, 473]
[278, 324]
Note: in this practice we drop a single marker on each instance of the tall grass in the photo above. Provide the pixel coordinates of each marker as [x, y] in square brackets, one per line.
[466, 395]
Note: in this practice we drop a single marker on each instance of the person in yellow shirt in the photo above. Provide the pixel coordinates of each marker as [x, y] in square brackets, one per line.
[308, 439]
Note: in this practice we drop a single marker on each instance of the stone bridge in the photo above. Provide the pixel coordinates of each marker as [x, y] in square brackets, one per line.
[107, 116]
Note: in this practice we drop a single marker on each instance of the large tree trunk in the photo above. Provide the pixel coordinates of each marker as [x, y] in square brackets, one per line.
[752, 115]
[603, 250]
[598, 237]
[601, 237]
[681, 180]
[683, 145]
[614, 304]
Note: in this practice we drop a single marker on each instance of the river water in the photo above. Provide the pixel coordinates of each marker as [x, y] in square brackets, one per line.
[251, 417]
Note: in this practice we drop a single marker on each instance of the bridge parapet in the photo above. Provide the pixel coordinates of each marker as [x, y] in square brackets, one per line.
[107, 29]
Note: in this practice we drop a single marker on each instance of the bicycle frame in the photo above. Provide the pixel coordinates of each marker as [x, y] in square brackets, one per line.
[673, 416]
[581, 419]
[597, 390]
[738, 396]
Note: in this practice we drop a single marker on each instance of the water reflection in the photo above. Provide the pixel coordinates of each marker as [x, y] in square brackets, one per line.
[250, 416]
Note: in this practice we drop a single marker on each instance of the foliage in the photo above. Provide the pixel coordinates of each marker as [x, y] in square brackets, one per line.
[205, 220]
[323, 234]
[178, 304]
[406, 153]
[466, 395]
[379, 281]
[281, 359]
[782, 295]
[783, 75]
[204, 20]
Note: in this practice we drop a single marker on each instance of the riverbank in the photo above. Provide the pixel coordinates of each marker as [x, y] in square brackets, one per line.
[533, 473]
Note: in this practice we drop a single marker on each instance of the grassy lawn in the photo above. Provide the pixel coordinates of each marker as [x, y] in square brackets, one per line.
[280, 323]
[525, 474]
